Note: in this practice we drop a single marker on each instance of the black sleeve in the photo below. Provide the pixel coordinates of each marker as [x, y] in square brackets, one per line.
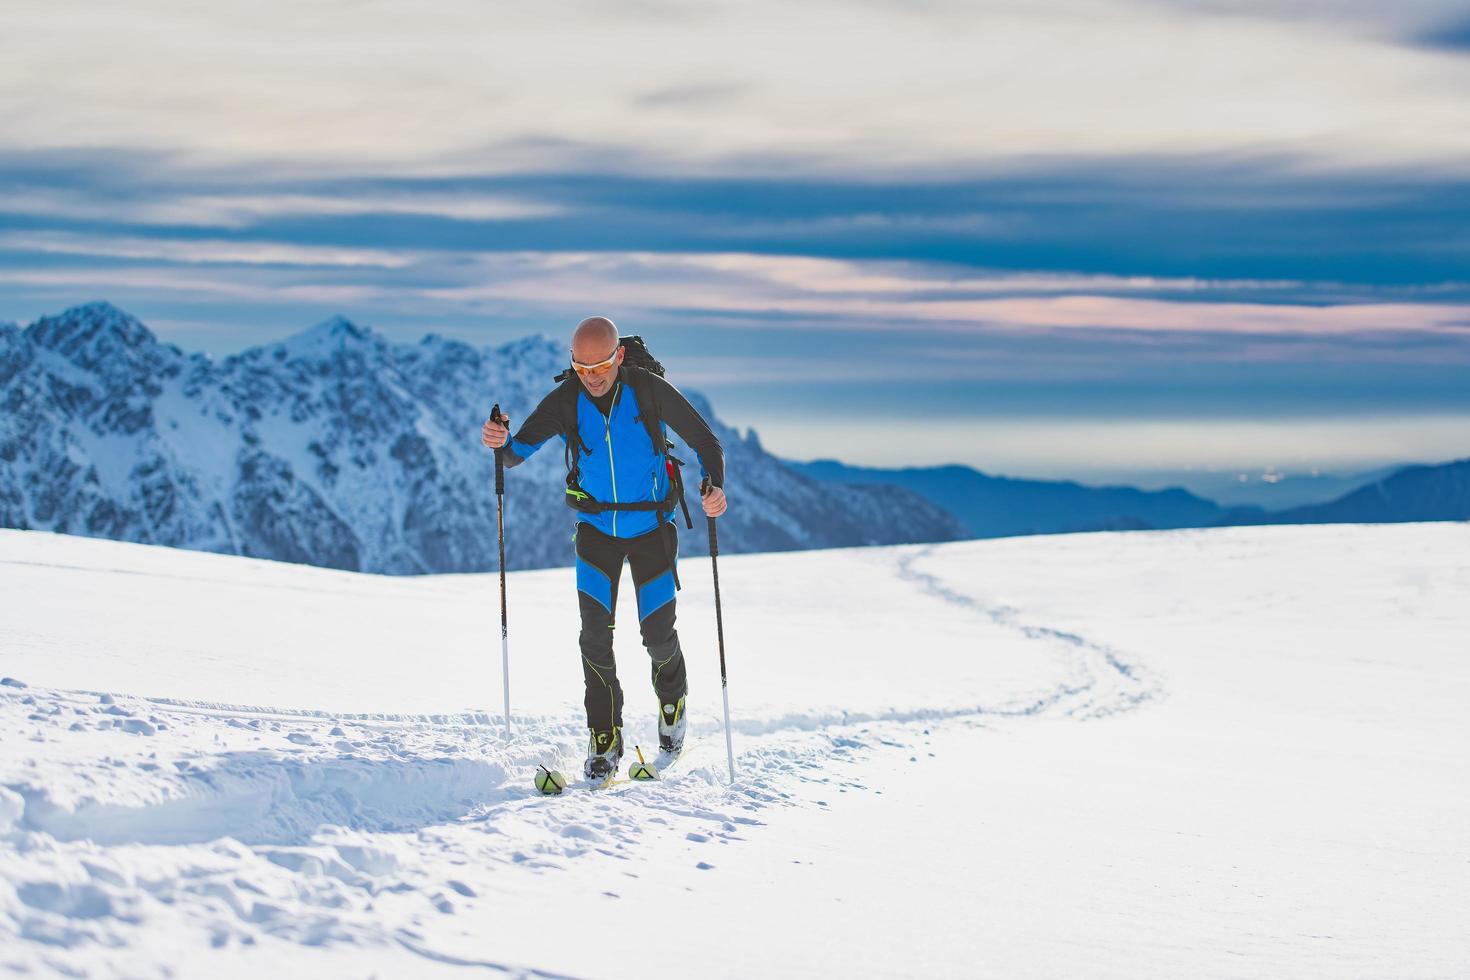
[675, 409]
[543, 423]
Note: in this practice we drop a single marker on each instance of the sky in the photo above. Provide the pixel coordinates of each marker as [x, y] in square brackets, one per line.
[1083, 238]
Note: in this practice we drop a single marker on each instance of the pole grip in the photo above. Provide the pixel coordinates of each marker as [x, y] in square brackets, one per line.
[714, 537]
[499, 463]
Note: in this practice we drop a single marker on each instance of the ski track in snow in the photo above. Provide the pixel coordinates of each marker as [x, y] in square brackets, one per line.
[263, 825]
[1101, 680]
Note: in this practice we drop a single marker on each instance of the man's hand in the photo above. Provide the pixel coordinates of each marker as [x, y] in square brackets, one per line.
[495, 434]
[714, 501]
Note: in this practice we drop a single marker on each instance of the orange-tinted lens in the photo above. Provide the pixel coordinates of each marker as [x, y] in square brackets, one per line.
[600, 368]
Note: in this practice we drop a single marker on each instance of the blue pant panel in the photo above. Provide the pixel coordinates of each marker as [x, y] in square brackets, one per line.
[595, 583]
[654, 595]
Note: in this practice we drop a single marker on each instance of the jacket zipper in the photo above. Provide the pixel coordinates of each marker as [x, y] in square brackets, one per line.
[611, 463]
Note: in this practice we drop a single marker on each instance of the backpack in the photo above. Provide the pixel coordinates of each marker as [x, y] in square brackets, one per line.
[640, 363]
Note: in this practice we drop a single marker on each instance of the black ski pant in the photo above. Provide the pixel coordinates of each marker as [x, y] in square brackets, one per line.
[599, 569]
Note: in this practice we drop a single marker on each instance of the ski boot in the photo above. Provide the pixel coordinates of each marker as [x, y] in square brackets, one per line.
[671, 727]
[604, 751]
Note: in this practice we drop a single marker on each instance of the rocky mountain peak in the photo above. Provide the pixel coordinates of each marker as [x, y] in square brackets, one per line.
[341, 329]
[92, 335]
[334, 336]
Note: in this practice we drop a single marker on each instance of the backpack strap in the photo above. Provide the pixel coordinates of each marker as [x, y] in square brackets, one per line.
[648, 412]
[653, 422]
[566, 411]
[647, 408]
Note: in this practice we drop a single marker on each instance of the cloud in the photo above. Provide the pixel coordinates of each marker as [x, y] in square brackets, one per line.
[780, 339]
[1451, 35]
[858, 297]
[1164, 218]
[201, 251]
[734, 290]
[693, 94]
[846, 89]
[164, 285]
[243, 209]
[1363, 18]
[1033, 447]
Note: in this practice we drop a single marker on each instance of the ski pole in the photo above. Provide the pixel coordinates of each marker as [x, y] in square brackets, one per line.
[714, 551]
[500, 520]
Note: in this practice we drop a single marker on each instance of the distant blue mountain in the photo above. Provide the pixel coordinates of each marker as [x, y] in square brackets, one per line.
[1267, 488]
[993, 506]
[997, 506]
[1414, 493]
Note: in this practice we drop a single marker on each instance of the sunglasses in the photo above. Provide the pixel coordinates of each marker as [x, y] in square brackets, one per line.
[598, 369]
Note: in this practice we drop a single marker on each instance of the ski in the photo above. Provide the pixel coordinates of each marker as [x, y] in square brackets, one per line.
[552, 782]
[641, 770]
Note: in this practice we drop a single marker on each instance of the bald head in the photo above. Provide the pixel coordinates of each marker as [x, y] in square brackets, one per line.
[594, 339]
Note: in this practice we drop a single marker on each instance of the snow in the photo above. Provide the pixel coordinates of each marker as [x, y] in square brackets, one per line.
[1236, 752]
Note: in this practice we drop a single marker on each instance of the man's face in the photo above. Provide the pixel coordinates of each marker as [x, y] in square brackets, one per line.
[603, 364]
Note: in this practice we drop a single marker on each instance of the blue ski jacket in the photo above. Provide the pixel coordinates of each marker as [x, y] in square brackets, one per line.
[619, 462]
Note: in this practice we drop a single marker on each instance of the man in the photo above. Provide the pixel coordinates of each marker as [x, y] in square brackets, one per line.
[620, 483]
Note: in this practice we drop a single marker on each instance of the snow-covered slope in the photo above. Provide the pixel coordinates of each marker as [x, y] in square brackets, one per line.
[338, 448]
[1235, 752]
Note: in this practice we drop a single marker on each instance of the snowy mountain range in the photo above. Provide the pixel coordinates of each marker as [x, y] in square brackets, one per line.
[339, 448]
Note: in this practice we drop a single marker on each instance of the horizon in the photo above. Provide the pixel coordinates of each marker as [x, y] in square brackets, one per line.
[1059, 238]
